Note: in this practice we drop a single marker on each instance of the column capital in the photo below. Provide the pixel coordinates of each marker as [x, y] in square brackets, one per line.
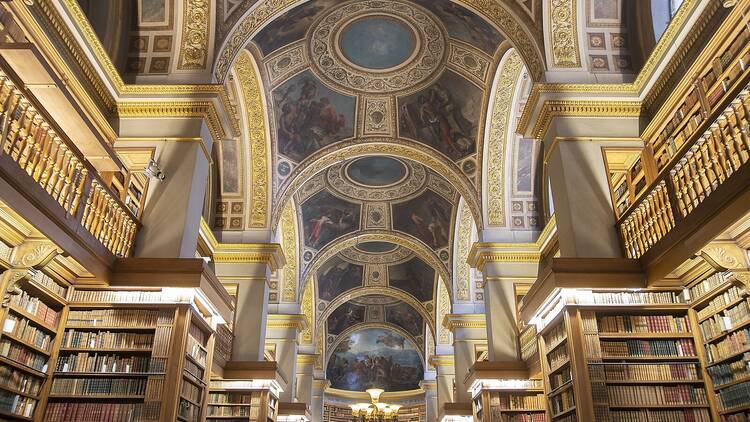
[429, 386]
[295, 321]
[305, 359]
[453, 321]
[440, 361]
[270, 254]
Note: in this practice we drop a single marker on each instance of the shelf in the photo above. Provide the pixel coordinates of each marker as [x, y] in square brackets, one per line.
[738, 327]
[564, 386]
[551, 348]
[522, 410]
[229, 417]
[20, 393]
[658, 406]
[729, 357]
[39, 290]
[644, 335]
[638, 382]
[98, 396]
[571, 409]
[735, 409]
[107, 374]
[15, 416]
[38, 322]
[635, 307]
[665, 359]
[108, 328]
[559, 366]
[731, 383]
[102, 350]
[723, 308]
[195, 361]
[706, 297]
[25, 344]
[189, 401]
[22, 367]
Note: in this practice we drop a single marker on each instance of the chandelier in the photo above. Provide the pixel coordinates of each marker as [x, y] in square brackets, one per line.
[376, 411]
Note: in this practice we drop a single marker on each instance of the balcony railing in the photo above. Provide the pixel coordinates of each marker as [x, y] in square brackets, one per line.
[61, 170]
[708, 161]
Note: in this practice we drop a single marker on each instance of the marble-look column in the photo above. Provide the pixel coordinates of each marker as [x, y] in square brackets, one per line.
[318, 398]
[282, 330]
[305, 366]
[430, 399]
[445, 378]
[246, 268]
[502, 266]
[469, 331]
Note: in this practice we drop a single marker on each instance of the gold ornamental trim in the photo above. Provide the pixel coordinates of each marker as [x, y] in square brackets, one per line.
[582, 108]
[482, 253]
[204, 109]
[564, 33]
[255, 122]
[442, 360]
[195, 25]
[295, 321]
[303, 359]
[270, 254]
[453, 321]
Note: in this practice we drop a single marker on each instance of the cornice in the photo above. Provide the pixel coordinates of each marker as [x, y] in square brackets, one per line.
[296, 321]
[482, 253]
[453, 321]
[442, 360]
[303, 359]
[270, 254]
[581, 108]
[181, 109]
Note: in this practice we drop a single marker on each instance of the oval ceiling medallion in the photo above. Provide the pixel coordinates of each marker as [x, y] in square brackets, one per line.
[377, 42]
[377, 46]
[376, 247]
[376, 171]
[376, 178]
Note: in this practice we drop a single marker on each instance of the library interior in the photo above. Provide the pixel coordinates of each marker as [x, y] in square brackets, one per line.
[375, 210]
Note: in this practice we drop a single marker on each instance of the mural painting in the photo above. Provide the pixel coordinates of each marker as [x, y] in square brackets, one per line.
[405, 317]
[153, 11]
[290, 27]
[375, 357]
[427, 217]
[464, 25]
[377, 42]
[415, 277]
[444, 116]
[524, 163]
[376, 171]
[327, 217]
[345, 316]
[310, 116]
[337, 276]
[230, 174]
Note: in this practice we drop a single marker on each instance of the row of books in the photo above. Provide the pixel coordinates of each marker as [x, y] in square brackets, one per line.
[36, 307]
[555, 336]
[191, 391]
[191, 368]
[512, 402]
[719, 302]
[704, 286]
[188, 411]
[199, 335]
[17, 405]
[196, 351]
[727, 372]
[525, 417]
[109, 363]
[228, 410]
[162, 337]
[23, 355]
[20, 328]
[718, 324]
[99, 386]
[635, 298]
[559, 378]
[50, 284]
[736, 417]
[128, 296]
[652, 372]
[562, 401]
[558, 357]
[734, 396]
[234, 398]
[19, 380]
[732, 344]
[114, 317]
[102, 412]
[643, 348]
[653, 415]
[656, 394]
[643, 324]
[106, 340]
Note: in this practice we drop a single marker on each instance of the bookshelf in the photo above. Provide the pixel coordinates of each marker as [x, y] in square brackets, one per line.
[518, 405]
[28, 345]
[342, 413]
[241, 405]
[195, 369]
[721, 310]
[636, 356]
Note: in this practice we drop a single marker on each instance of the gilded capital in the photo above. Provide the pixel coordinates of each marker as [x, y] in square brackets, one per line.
[453, 321]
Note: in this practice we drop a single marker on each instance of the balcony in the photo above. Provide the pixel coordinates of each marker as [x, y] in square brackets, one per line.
[44, 164]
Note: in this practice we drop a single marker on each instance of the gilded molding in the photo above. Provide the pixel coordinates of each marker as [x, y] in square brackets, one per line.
[453, 321]
[462, 277]
[270, 254]
[194, 48]
[305, 359]
[289, 243]
[497, 137]
[442, 360]
[256, 133]
[564, 33]
[445, 336]
[582, 108]
[180, 109]
[308, 299]
[295, 321]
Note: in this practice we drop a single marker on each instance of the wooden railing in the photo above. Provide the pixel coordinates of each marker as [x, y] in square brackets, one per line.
[709, 159]
[51, 160]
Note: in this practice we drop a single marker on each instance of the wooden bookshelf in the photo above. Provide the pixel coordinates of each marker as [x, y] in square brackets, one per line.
[721, 311]
[518, 405]
[195, 369]
[241, 405]
[610, 357]
[28, 345]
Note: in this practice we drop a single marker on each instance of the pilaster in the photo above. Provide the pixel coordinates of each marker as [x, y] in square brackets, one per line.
[469, 331]
[282, 331]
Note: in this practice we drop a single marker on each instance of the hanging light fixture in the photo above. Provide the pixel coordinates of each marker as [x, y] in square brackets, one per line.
[375, 411]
